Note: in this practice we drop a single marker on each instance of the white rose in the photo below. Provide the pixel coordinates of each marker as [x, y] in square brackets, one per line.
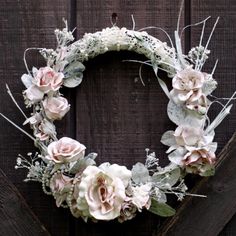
[55, 107]
[102, 191]
[141, 197]
[65, 150]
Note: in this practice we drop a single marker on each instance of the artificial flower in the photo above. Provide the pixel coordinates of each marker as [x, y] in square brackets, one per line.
[65, 150]
[55, 107]
[46, 79]
[141, 196]
[187, 86]
[102, 190]
[60, 185]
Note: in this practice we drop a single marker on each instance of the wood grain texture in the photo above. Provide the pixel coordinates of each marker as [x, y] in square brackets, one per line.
[26, 24]
[208, 216]
[112, 113]
[117, 116]
[15, 215]
[222, 46]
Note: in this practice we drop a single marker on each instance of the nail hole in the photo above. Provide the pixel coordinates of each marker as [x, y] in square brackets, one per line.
[114, 18]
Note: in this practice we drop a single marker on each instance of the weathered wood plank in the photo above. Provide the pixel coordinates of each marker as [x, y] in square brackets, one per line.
[15, 215]
[116, 116]
[26, 24]
[208, 216]
[222, 46]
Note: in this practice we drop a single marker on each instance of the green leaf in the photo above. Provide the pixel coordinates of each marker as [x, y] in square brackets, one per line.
[161, 209]
[209, 171]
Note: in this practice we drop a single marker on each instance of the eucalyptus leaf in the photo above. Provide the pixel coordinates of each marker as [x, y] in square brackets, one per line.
[73, 80]
[168, 138]
[75, 66]
[161, 209]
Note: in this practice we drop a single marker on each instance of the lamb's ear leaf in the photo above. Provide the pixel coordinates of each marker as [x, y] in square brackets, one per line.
[161, 209]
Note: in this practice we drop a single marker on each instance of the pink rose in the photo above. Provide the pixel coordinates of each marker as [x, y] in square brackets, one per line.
[60, 186]
[128, 211]
[55, 107]
[65, 150]
[45, 130]
[47, 79]
[198, 161]
[187, 86]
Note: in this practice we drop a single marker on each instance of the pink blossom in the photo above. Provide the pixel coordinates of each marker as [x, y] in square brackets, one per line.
[65, 150]
[55, 107]
[60, 185]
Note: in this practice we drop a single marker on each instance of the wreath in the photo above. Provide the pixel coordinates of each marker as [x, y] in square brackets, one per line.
[111, 191]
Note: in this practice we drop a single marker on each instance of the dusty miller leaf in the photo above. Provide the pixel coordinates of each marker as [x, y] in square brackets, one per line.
[181, 116]
[176, 113]
[209, 86]
[169, 175]
[140, 173]
[81, 164]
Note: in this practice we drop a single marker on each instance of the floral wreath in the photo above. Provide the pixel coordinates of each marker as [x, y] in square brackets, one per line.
[111, 191]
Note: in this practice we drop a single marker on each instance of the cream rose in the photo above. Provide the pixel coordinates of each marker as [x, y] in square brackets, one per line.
[65, 150]
[102, 190]
[47, 79]
[55, 107]
[187, 86]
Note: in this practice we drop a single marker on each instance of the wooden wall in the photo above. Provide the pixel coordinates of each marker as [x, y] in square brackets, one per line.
[112, 113]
